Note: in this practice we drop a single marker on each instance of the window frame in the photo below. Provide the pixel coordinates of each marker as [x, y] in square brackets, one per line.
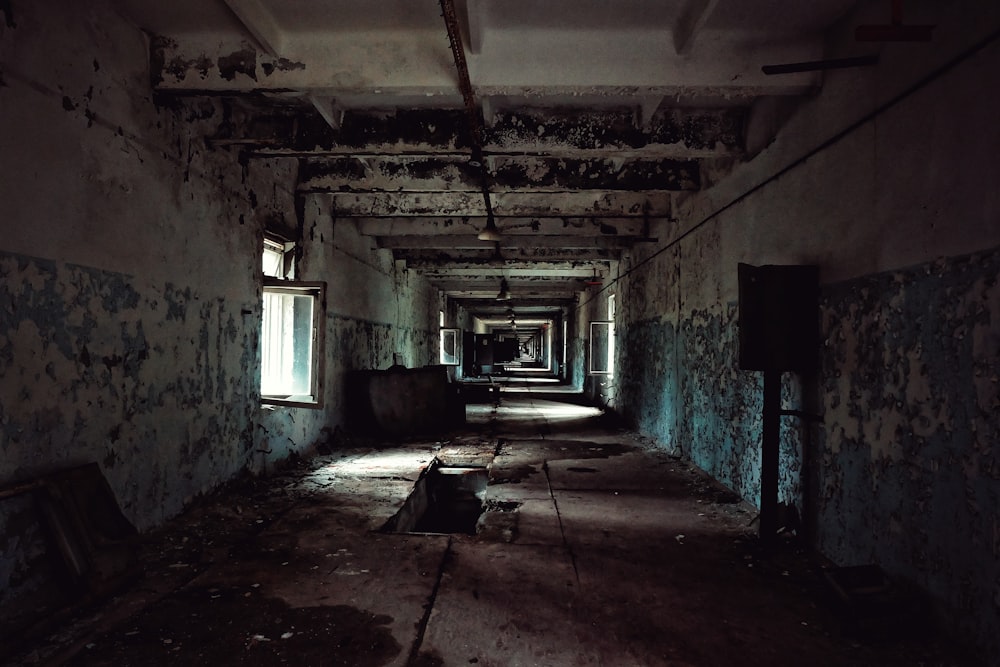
[608, 356]
[316, 290]
[456, 336]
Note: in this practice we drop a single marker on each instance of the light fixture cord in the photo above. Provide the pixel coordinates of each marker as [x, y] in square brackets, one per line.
[474, 113]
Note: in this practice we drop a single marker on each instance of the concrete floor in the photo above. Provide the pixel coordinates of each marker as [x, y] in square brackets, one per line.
[599, 551]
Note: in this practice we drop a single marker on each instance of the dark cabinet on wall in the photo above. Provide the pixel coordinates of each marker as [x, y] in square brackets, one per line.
[779, 318]
[778, 332]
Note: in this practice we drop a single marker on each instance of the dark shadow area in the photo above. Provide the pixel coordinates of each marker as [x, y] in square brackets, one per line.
[446, 499]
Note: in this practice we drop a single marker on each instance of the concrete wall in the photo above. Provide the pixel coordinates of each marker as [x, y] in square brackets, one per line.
[891, 191]
[578, 322]
[130, 299]
[375, 309]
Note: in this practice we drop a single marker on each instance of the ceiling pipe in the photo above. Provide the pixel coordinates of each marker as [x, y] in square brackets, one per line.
[475, 116]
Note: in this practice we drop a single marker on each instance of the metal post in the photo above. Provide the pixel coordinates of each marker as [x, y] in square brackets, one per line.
[769, 456]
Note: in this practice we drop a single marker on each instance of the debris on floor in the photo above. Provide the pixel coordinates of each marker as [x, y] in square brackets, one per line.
[638, 560]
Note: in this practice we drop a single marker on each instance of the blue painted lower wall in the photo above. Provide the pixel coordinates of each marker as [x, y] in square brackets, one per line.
[145, 379]
[907, 472]
[904, 469]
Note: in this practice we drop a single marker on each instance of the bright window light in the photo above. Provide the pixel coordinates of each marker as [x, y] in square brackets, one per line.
[601, 347]
[273, 259]
[291, 343]
[450, 352]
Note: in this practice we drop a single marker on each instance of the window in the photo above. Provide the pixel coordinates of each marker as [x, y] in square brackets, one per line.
[602, 343]
[450, 351]
[601, 347]
[273, 259]
[291, 335]
[565, 348]
[611, 335]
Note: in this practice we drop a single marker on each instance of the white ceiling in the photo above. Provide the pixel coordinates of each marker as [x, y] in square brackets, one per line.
[597, 114]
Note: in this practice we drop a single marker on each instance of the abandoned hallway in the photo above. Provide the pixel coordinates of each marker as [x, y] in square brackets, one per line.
[731, 267]
[593, 550]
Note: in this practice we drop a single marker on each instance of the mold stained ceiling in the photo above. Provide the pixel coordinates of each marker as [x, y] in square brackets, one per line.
[593, 117]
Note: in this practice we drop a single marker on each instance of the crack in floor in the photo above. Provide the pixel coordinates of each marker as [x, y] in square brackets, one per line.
[414, 657]
[562, 529]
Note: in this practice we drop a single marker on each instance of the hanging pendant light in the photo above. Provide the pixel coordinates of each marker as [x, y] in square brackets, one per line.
[504, 294]
[491, 232]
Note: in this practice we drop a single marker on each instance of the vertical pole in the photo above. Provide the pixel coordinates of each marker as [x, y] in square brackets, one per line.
[769, 456]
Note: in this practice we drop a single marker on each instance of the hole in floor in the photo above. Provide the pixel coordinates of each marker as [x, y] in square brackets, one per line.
[446, 499]
[502, 505]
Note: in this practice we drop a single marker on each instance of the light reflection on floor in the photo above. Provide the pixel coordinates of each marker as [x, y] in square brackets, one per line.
[514, 410]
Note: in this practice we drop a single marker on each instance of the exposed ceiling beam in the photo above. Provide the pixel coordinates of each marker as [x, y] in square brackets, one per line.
[328, 108]
[450, 226]
[387, 63]
[508, 243]
[259, 22]
[563, 133]
[506, 172]
[483, 272]
[648, 106]
[525, 283]
[473, 20]
[693, 18]
[517, 204]
[524, 324]
[549, 295]
[432, 266]
[447, 255]
[487, 297]
[494, 309]
[269, 147]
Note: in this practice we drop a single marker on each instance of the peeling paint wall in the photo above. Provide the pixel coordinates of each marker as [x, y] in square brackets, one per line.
[141, 380]
[908, 470]
[129, 311]
[377, 313]
[130, 283]
[902, 215]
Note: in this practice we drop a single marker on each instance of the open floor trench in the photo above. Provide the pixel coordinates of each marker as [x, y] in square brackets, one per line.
[594, 549]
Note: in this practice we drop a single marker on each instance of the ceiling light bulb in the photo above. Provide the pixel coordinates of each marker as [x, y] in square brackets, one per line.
[504, 293]
[490, 232]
